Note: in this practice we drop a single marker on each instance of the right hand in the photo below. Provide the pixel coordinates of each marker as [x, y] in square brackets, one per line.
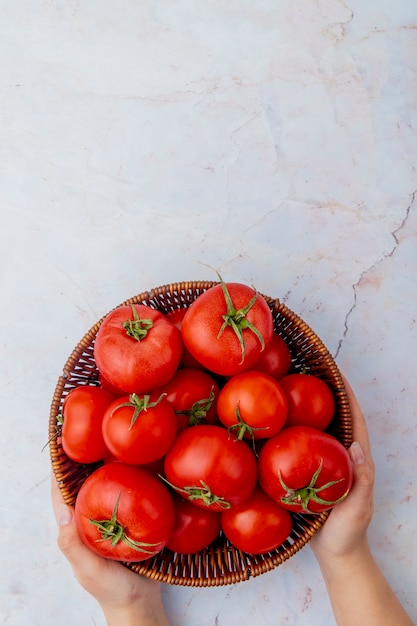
[345, 529]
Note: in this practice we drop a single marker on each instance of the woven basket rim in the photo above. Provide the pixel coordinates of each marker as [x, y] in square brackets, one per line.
[220, 563]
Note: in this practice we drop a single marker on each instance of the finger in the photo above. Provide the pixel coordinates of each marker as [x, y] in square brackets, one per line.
[69, 541]
[57, 498]
[361, 497]
[63, 513]
[360, 430]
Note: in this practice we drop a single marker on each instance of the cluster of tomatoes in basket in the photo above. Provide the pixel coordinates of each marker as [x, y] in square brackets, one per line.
[202, 429]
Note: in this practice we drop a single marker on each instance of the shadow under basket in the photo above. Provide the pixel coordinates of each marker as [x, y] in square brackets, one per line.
[220, 563]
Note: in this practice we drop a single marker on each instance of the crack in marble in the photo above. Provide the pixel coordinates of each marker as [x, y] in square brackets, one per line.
[179, 95]
[258, 222]
[363, 274]
[235, 160]
[337, 29]
[404, 221]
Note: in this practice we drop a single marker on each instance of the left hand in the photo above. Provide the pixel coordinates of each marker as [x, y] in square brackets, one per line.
[118, 590]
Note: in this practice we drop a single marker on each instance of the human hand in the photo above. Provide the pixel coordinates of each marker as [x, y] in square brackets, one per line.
[124, 596]
[345, 530]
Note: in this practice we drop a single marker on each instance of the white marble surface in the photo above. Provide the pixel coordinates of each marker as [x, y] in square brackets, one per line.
[144, 141]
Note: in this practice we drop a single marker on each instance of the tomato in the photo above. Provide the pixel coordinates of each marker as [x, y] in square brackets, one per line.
[258, 525]
[194, 529]
[227, 327]
[156, 468]
[310, 401]
[253, 405]
[124, 513]
[83, 412]
[210, 469]
[175, 317]
[139, 429]
[192, 394]
[104, 384]
[137, 348]
[305, 469]
[275, 359]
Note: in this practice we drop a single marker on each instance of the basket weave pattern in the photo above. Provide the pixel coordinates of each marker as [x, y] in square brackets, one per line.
[221, 563]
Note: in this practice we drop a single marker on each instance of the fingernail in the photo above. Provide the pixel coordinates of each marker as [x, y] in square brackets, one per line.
[356, 453]
[64, 515]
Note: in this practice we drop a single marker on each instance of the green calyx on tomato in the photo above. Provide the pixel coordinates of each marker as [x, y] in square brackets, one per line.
[137, 328]
[304, 495]
[241, 427]
[202, 493]
[58, 431]
[236, 319]
[139, 403]
[111, 530]
[198, 412]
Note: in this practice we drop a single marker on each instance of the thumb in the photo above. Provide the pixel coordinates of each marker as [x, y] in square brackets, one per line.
[363, 484]
[86, 565]
[68, 540]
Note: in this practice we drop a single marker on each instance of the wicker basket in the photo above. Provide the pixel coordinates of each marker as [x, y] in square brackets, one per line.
[221, 563]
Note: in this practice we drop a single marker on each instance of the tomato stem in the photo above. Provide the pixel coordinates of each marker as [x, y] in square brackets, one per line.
[243, 427]
[137, 328]
[139, 404]
[57, 433]
[236, 319]
[203, 493]
[304, 495]
[198, 412]
[115, 532]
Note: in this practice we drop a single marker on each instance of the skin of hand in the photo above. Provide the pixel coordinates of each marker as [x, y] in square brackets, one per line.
[124, 596]
[346, 528]
[358, 591]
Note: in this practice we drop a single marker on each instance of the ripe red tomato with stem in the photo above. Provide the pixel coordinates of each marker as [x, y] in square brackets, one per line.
[207, 467]
[123, 513]
[139, 429]
[227, 328]
[252, 405]
[195, 528]
[83, 411]
[310, 401]
[275, 360]
[304, 469]
[257, 526]
[193, 394]
[137, 348]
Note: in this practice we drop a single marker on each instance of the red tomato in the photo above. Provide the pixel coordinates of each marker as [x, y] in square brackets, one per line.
[275, 359]
[104, 384]
[137, 348]
[210, 469]
[139, 429]
[195, 528]
[192, 394]
[83, 412]
[310, 401]
[258, 525]
[253, 405]
[156, 468]
[304, 469]
[175, 317]
[227, 327]
[124, 513]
